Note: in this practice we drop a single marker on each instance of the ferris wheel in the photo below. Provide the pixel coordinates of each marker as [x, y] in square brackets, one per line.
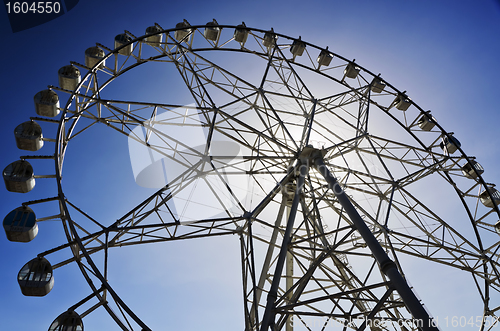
[336, 182]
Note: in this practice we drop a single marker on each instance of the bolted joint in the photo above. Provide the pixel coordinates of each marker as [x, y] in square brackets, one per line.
[386, 266]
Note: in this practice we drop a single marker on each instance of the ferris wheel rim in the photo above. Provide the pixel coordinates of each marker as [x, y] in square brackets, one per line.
[60, 150]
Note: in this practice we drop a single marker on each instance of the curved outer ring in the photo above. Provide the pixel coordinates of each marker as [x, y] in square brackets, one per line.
[61, 146]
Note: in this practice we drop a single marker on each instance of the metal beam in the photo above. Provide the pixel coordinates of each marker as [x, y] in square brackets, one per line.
[387, 266]
[269, 313]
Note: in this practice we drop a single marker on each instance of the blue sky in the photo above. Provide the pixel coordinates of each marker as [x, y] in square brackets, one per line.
[443, 53]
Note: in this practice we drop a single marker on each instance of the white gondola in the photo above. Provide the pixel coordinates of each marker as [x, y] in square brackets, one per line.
[298, 47]
[18, 177]
[269, 39]
[241, 33]
[377, 85]
[402, 102]
[47, 103]
[325, 58]
[123, 39]
[29, 136]
[450, 145]
[427, 122]
[184, 33]
[93, 55]
[472, 169]
[351, 71]
[67, 321]
[36, 277]
[20, 225]
[154, 37]
[486, 199]
[69, 77]
[212, 30]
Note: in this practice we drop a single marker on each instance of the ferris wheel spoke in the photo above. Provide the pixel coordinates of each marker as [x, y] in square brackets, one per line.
[207, 74]
[228, 191]
[452, 256]
[268, 139]
[274, 103]
[193, 78]
[154, 233]
[270, 123]
[419, 208]
[407, 155]
[345, 107]
[443, 254]
[389, 152]
[193, 81]
[127, 117]
[430, 238]
[156, 119]
[289, 76]
[149, 209]
[147, 233]
[301, 98]
[72, 244]
[224, 80]
[152, 204]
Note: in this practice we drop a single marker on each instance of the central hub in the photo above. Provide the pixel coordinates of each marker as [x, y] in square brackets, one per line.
[310, 153]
